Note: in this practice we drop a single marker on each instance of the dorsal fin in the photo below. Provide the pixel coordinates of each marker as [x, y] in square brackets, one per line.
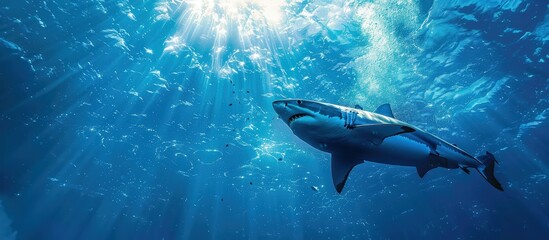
[342, 164]
[385, 110]
[358, 107]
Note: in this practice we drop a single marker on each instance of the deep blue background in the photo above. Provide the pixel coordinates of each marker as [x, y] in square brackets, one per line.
[124, 120]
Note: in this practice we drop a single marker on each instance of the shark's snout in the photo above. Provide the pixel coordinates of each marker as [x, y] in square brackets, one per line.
[281, 108]
[290, 110]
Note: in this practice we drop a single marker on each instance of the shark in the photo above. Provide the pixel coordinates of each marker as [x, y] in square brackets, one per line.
[353, 135]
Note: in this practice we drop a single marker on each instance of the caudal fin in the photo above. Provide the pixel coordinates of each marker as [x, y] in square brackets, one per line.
[487, 170]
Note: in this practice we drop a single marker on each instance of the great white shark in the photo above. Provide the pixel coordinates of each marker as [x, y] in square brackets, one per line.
[353, 135]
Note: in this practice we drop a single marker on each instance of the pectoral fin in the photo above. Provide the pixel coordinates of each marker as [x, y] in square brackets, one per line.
[341, 167]
[376, 133]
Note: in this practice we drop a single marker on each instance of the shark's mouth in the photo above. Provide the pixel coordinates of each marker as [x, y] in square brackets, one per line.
[295, 117]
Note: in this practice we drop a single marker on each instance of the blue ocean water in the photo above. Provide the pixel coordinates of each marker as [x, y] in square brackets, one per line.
[152, 119]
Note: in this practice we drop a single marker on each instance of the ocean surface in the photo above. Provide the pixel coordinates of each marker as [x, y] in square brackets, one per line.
[126, 119]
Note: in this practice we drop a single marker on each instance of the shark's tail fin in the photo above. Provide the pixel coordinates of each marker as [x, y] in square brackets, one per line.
[487, 170]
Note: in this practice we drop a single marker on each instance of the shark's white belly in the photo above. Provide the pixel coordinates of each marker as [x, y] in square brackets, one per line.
[398, 150]
[401, 150]
[405, 149]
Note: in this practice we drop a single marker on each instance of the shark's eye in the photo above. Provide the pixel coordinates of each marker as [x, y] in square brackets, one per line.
[299, 102]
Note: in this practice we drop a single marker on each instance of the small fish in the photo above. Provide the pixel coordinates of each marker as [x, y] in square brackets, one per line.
[315, 188]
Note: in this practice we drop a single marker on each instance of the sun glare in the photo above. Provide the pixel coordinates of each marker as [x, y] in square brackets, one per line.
[226, 27]
[269, 11]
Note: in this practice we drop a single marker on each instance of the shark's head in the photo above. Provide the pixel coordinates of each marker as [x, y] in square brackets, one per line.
[314, 122]
[296, 112]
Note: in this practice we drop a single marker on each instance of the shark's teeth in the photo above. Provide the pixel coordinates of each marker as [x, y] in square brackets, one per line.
[294, 117]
